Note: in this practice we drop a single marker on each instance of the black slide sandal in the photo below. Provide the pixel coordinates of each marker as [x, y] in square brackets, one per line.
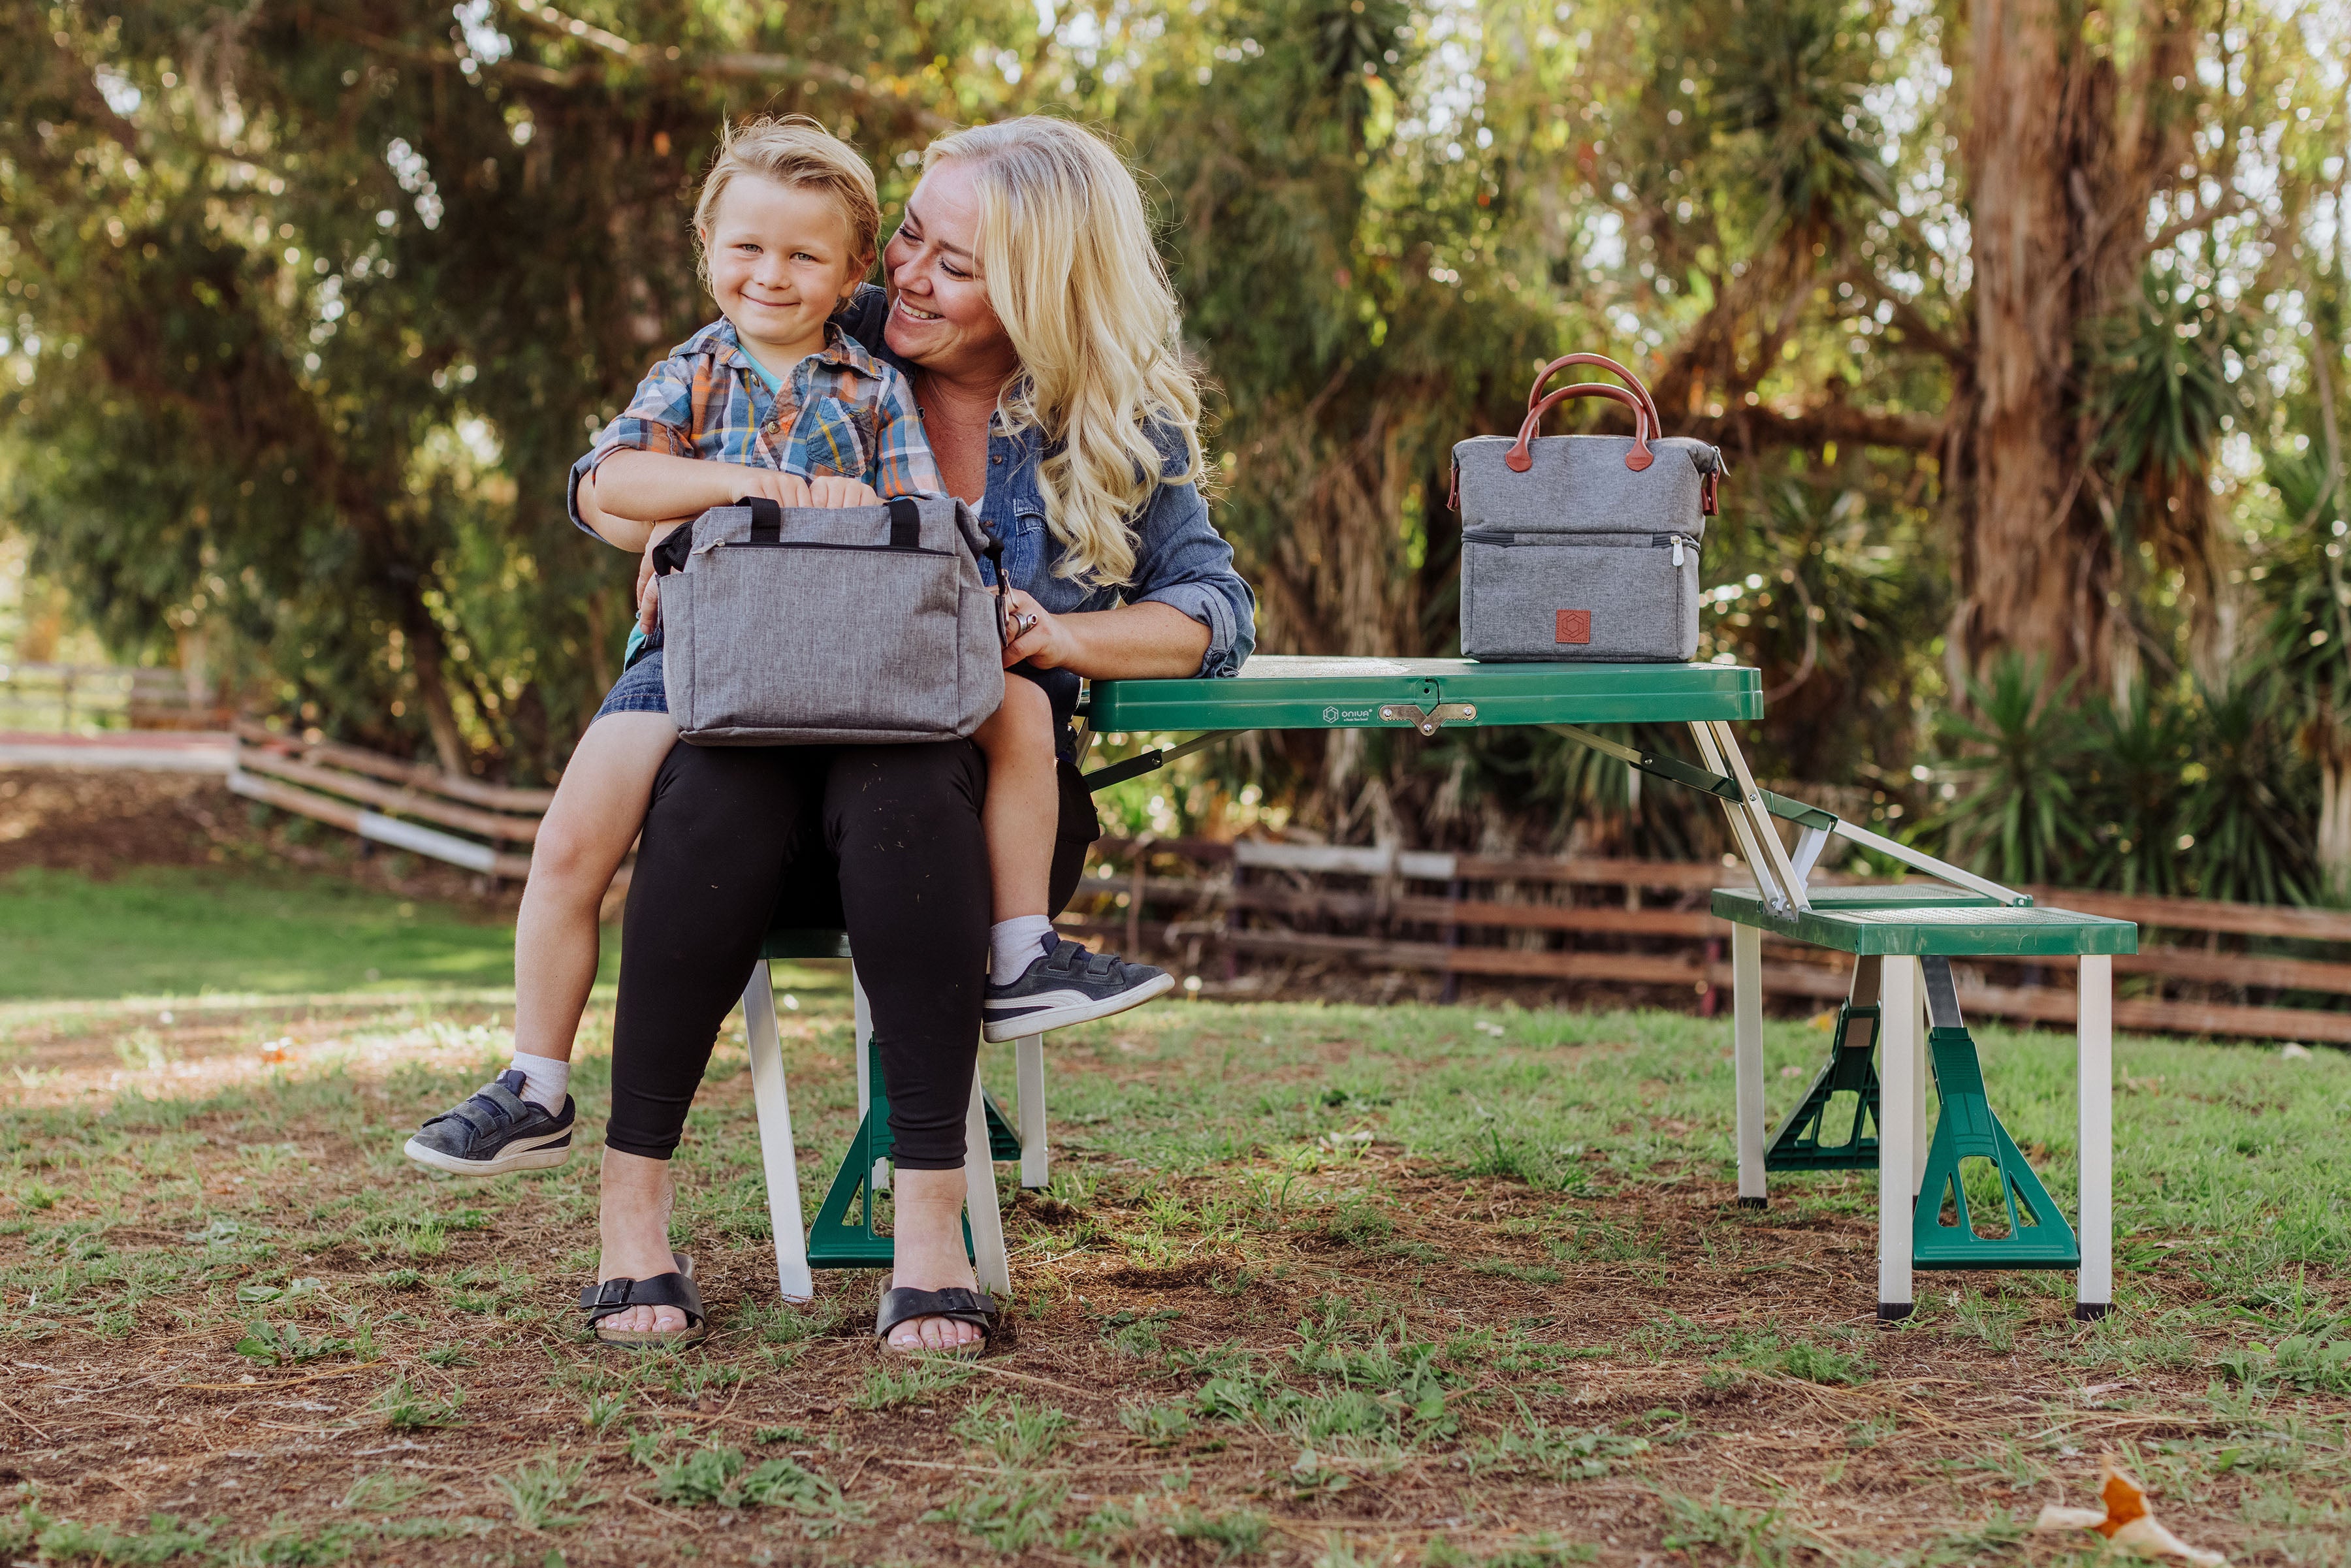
[612, 1297]
[901, 1304]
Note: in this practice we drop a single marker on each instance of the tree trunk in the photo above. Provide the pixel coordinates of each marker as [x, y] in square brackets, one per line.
[2062, 163]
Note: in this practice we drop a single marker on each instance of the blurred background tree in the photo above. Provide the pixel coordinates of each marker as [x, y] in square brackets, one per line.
[2020, 320]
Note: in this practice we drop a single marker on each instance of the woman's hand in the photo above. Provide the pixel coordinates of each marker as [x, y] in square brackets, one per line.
[1036, 634]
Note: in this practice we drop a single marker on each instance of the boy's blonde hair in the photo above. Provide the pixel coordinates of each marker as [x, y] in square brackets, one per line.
[794, 151]
[1066, 249]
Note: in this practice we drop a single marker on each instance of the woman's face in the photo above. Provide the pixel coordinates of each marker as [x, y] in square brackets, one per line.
[940, 313]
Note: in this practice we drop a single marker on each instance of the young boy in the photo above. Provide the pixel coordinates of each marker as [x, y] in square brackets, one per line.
[771, 400]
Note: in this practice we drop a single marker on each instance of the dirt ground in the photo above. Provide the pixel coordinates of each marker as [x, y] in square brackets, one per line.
[103, 821]
[246, 1313]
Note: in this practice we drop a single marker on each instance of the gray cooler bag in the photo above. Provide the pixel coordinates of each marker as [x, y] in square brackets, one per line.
[809, 625]
[1583, 547]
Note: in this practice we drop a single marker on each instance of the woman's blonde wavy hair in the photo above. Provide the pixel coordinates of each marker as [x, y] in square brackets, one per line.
[1070, 270]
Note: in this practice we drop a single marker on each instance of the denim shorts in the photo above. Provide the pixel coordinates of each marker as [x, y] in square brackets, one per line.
[640, 688]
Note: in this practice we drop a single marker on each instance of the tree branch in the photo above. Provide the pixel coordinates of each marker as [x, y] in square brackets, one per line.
[1906, 316]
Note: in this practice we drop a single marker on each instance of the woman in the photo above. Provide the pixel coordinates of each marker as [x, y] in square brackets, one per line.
[1026, 301]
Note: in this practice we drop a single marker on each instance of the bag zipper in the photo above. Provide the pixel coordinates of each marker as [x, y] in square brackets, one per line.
[820, 544]
[1675, 542]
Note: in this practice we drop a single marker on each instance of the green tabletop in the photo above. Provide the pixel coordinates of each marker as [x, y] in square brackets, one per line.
[1926, 921]
[1283, 692]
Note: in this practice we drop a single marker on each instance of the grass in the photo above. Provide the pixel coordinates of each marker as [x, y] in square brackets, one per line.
[65, 936]
[1311, 1285]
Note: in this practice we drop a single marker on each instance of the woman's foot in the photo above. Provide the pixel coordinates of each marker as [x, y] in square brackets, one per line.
[928, 1241]
[633, 1224]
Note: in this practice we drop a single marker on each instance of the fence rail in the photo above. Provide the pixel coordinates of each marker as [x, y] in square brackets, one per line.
[65, 698]
[2282, 975]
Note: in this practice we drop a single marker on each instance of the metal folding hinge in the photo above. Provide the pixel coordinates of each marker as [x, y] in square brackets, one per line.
[1426, 721]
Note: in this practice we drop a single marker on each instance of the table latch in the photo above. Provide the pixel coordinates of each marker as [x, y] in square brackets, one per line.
[1427, 720]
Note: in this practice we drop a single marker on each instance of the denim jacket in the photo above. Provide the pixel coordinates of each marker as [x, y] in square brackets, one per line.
[1180, 559]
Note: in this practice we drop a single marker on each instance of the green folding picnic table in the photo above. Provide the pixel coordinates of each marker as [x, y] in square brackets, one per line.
[1432, 695]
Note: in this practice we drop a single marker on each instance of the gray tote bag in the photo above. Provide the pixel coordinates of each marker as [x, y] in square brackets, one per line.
[815, 625]
[1583, 547]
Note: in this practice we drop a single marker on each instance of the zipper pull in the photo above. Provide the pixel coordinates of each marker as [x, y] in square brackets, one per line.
[1677, 549]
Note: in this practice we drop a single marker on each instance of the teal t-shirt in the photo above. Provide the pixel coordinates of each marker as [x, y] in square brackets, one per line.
[775, 382]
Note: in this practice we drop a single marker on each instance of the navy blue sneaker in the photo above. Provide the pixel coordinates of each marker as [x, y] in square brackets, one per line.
[495, 1131]
[1067, 986]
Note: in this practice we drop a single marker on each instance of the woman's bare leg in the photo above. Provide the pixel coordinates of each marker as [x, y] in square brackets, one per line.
[632, 1223]
[928, 1228]
[587, 832]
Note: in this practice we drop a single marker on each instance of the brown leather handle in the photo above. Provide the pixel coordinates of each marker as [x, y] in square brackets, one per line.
[1535, 393]
[1520, 458]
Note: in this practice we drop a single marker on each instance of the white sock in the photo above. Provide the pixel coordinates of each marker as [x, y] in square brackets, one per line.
[1013, 945]
[545, 1081]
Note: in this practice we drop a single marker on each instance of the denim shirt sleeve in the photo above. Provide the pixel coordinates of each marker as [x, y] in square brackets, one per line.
[1181, 560]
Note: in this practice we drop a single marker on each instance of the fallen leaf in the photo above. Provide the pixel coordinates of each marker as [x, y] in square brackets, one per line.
[2125, 1520]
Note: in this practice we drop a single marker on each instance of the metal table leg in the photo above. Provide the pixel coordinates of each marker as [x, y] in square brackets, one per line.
[1747, 1056]
[1899, 1147]
[777, 1155]
[2094, 1285]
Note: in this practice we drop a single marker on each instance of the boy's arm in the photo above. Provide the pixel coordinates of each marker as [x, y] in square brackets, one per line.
[632, 495]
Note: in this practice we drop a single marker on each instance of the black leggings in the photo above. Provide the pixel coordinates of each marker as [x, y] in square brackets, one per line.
[884, 839]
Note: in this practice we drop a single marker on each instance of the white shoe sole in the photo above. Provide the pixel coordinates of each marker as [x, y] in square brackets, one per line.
[538, 1156]
[1000, 1031]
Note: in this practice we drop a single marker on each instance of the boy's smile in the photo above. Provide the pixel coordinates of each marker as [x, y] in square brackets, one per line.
[779, 266]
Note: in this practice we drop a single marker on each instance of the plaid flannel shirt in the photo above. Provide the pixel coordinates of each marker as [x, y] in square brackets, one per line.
[842, 411]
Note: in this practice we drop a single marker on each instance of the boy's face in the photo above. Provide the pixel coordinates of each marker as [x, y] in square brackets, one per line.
[780, 263]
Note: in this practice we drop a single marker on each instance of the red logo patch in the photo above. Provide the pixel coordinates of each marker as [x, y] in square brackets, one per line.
[1574, 626]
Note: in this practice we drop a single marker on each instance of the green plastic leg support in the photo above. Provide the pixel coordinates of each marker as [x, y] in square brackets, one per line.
[1851, 1069]
[838, 1239]
[2038, 1236]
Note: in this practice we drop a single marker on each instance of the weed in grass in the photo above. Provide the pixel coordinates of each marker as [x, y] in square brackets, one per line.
[284, 1344]
[1010, 1515]
[289, 1545]
[1991, 1320]
[1804, 1359]
[780, 1435]
[779, 1322]
[385, 1491]
[1137, 1334]
[2314, 1364]
[1018, 1434]
[545, 1492]
[1563, 1454]
[257, 1295]
[1159, 1426]
[448, 1355]
[724, 1477]
[919, 1379]
[602, 1411]
[1213, 1361]
[1744, 1535]
[65, 1541]
[1360, 1222]
[404, 1407]
[400, 1279]
[1233, 1535]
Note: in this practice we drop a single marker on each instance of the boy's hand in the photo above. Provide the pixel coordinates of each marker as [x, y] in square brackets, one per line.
[783, 489]
[834, 490]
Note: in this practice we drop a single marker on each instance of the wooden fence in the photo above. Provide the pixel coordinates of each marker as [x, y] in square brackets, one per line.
[1623, 928]
[67, 698]
[1618, 926]
[386, 800]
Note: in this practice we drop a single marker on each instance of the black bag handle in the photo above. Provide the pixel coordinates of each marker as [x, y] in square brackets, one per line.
[767, 519]
[905, 523]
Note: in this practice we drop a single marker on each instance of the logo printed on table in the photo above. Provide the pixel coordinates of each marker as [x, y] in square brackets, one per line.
[1574, 626]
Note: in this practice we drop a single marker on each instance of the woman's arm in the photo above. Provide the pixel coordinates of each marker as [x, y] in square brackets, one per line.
[1133, 642]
